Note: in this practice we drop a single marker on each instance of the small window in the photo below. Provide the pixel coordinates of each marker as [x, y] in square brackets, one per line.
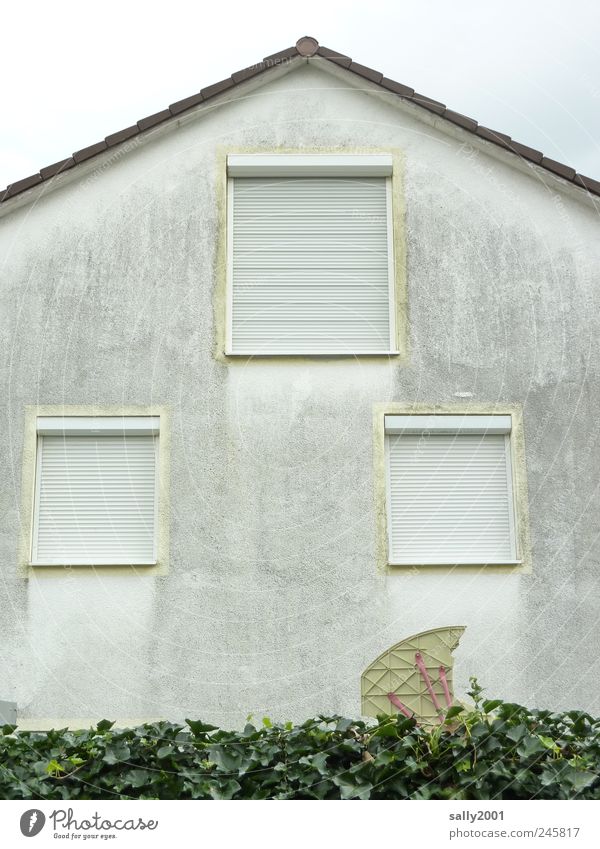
[96, 491]
[310, 255]
[450, 490]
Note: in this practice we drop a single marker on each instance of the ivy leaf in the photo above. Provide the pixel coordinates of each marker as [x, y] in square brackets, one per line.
[454, 711]
[117, 754]
[350, 788]
[389, 730]
[578, 779]
[529, 746]
[200, 728]
[104, 725]
[54, 769]
[517, 733]
[228, 761]
[164, 751]
[137, 777]
[318, 762]
[225, 790]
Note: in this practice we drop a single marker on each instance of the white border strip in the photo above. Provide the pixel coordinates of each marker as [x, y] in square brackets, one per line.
[91, 425]
[309, 165]
[448, 424]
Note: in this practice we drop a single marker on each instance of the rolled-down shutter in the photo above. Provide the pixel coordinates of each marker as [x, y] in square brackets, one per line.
[310, 265]
[96, 500]
[450, 499]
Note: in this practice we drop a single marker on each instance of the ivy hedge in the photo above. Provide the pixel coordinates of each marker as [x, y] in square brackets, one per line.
[495, 750]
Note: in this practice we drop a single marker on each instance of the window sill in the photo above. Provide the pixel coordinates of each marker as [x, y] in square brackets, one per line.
[91, 563]
[354, 354]
[409, 564]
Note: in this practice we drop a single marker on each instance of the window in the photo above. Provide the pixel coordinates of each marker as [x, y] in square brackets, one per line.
[450, 489]
[96, 490]
[310, 255]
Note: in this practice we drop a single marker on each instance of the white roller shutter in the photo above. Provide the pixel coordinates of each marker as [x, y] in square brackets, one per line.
[450, 498]
[95, 499]
[310, 265]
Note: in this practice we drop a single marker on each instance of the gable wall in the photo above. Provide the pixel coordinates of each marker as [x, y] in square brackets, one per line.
[274, 601]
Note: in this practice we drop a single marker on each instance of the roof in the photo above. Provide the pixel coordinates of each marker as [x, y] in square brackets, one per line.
[304, 47]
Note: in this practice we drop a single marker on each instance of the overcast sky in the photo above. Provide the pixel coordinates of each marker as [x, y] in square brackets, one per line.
[74, 72]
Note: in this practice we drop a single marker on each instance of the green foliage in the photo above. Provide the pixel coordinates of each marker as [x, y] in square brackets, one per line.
[496, 750]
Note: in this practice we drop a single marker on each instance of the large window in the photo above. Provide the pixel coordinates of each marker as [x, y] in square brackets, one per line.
[450, 490]
[96, 490]
[310, 255]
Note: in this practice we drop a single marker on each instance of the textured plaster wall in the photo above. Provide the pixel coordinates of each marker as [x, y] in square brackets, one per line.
[273, 602]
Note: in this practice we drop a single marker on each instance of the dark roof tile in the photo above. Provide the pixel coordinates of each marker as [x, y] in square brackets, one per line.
[248, 73]
[327, 53]
[587, 183]
[526, 152]
[558, 168]
[187, 103]
[57, 168]
[343, 61]
[153, 120]
[88, 152]
[282, 55]
[397, 88]
[217, 88]
[23, 185]
[461, 120]
[367, 73]
[493, 135]
[428, 103]
[122, 135]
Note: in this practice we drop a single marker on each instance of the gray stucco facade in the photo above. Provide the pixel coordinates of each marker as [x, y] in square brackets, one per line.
[274, 601]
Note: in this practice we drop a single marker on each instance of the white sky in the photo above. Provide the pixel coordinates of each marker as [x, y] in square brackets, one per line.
[73, 72]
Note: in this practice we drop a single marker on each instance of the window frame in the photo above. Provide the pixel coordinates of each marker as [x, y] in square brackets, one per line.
[516, 478]
[323, 165]
[130, 420]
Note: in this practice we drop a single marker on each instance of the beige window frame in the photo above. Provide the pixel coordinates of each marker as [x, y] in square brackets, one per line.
[34, 420]
[518, 484]
[396, 237]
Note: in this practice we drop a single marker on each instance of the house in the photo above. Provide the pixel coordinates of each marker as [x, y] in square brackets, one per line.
[295, 368]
